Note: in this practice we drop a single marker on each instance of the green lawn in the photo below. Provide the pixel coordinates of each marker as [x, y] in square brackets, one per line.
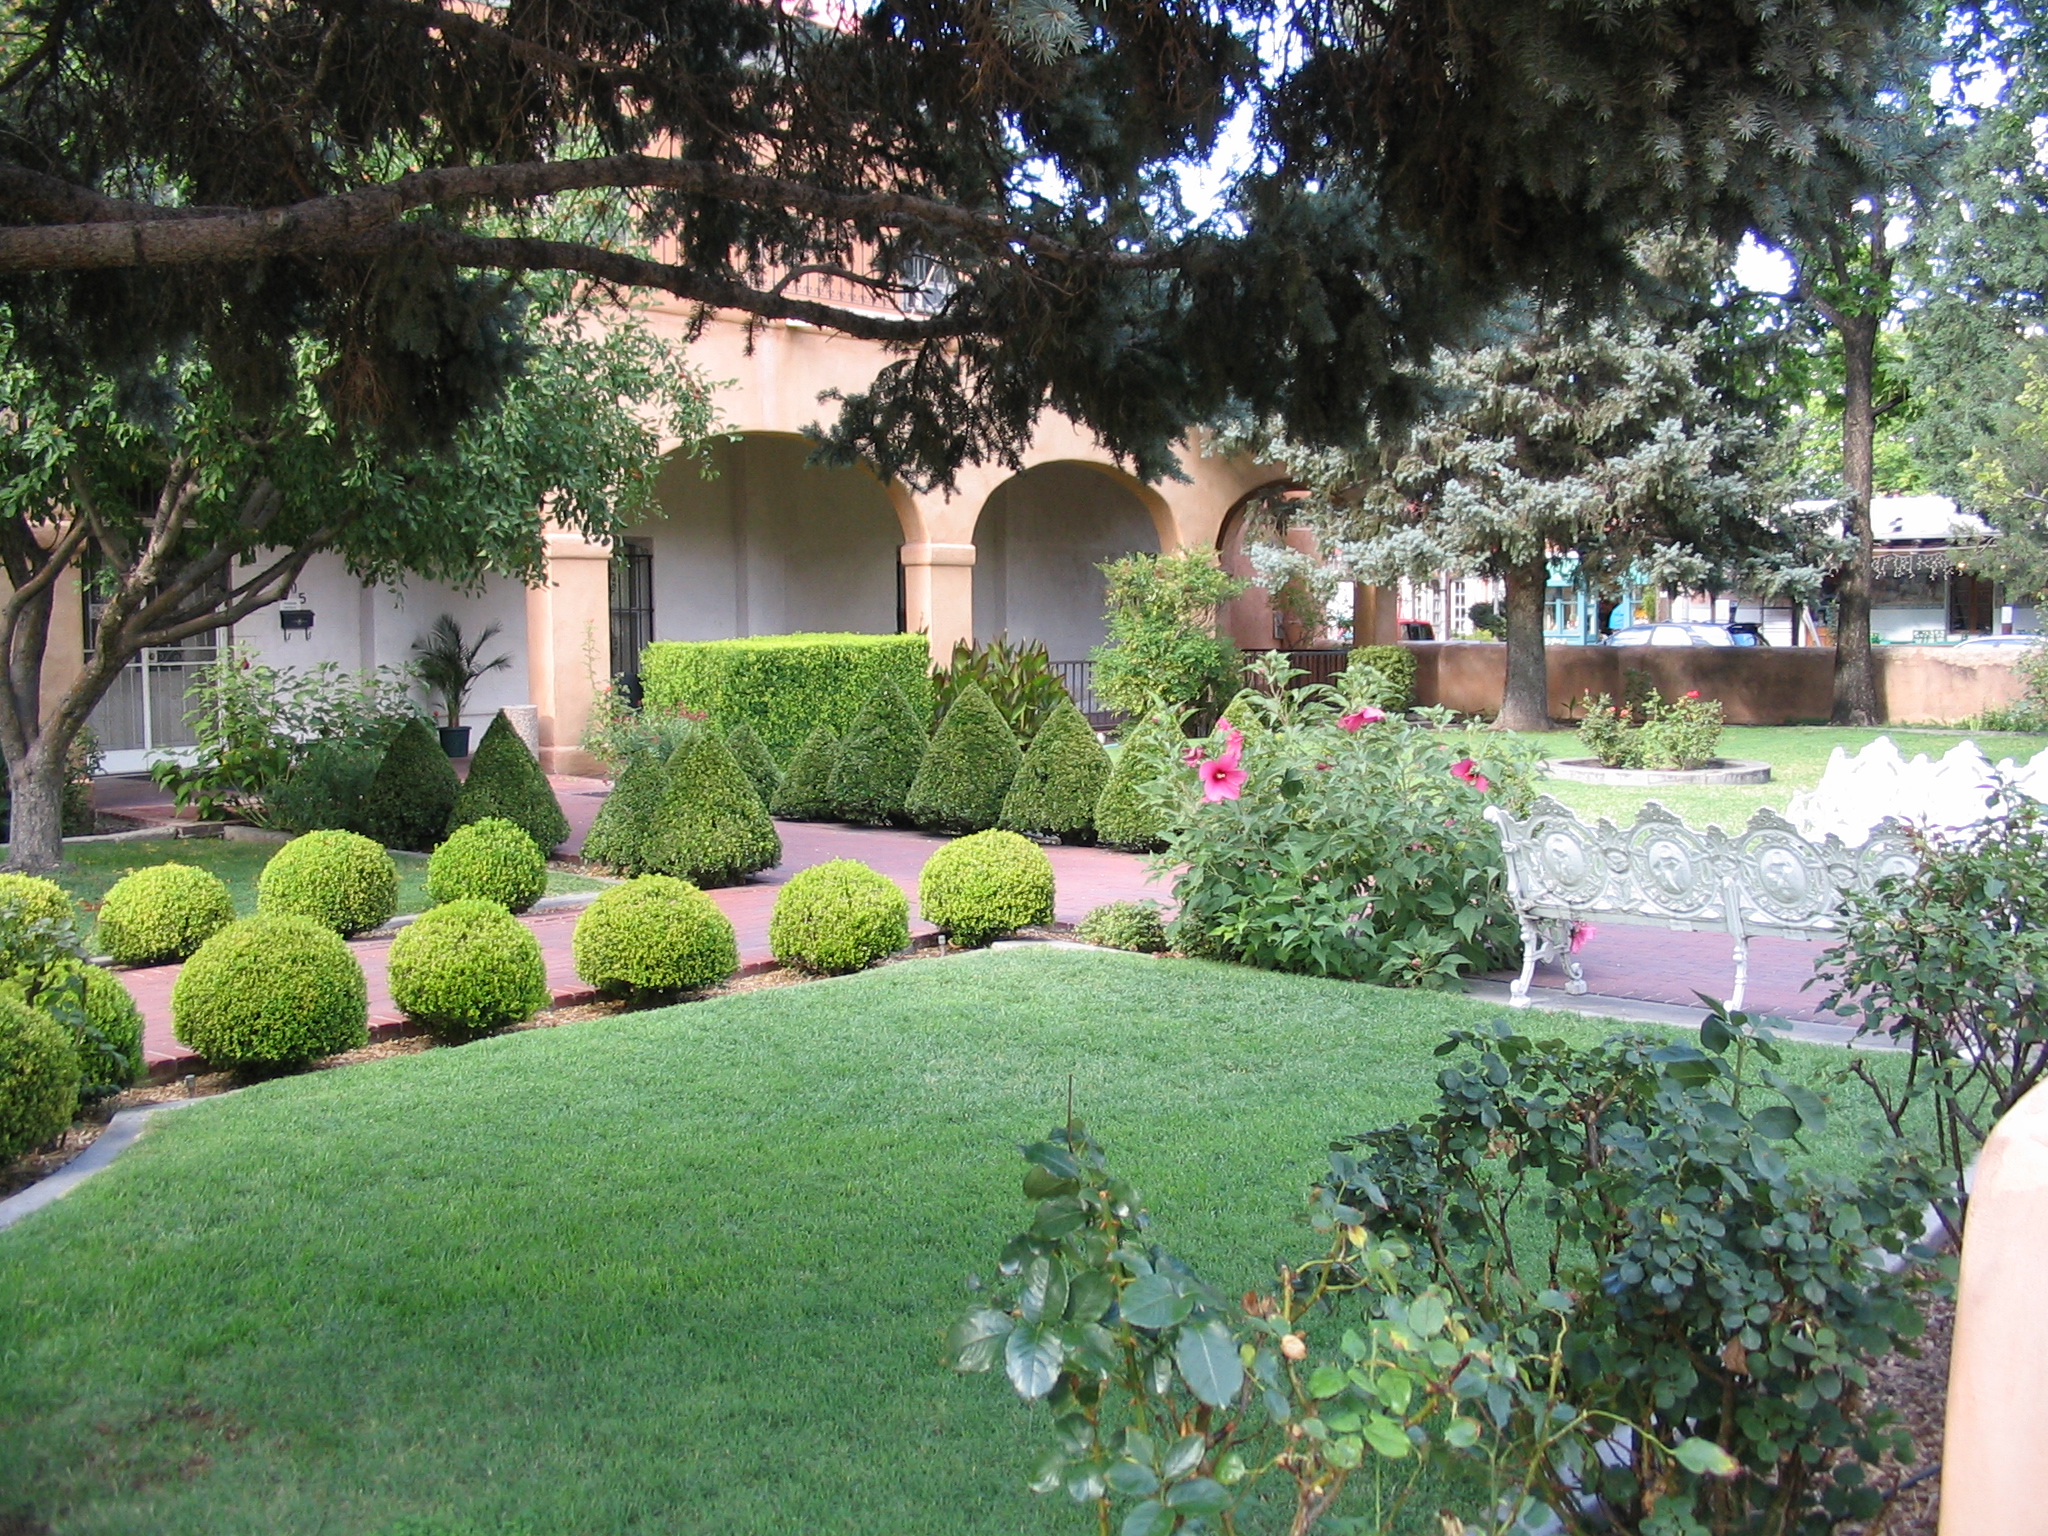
[1798, 755]
[91, 868]
[680, 1271]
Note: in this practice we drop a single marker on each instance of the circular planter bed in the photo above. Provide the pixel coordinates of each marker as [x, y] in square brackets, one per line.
[1722, 770]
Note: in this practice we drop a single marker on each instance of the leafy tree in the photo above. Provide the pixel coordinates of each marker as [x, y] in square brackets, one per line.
[1162, 646]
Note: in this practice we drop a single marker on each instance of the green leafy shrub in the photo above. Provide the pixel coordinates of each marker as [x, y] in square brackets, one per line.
[838, 917]
[1131, 810]
[982, 886]
[755, 761]
[1018, 679]
[806, 790]
[162, 913]
[1059, 781]
[468, 967]
[654, 936]
[271, 990]
[505, 782]
[30, 908]
[45, 966]
[618, 835]
[1394, 690]
[414, 792]
[489, 860]
[329, 790]
[1607, 732]
[1243, 713]
[1487, 620]
[878, 757]
[110, 1045]
[967, 769]
[1132, 925]
[711, 828]
[38, 1078]
[1682, 734]
[341, 880]
[1162, 647]
[783, 685]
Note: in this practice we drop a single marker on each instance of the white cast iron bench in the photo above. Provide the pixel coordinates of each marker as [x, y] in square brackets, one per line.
[1660, 873]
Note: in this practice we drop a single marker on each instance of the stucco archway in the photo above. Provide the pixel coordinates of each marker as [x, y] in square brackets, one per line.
[1037, 542]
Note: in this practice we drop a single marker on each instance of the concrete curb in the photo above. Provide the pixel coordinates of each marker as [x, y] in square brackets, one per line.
[122, 1132]
[567, 901]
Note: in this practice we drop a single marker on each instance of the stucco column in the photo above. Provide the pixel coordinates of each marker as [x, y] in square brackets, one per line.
[568, 647]
[1993, 1475]
[1375, 615]
[938, 595]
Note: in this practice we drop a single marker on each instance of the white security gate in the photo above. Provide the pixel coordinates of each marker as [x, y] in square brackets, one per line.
[141, 720]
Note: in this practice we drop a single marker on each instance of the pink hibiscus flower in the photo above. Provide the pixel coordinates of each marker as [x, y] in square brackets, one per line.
[1222, 778]
[1358, 719]
[1464, 768]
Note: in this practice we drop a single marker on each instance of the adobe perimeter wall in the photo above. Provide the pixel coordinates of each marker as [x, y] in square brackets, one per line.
[1917, 684]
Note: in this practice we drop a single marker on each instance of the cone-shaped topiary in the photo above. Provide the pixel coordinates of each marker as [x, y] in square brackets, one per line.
[982, 886]
[1125, 816]
[414, 792]
[618, 837]
[755, 761]
[654, 936]
[1054, 793]
[712, 828]
[269, 990]
[504, 781]
[877, 759]
[38, 1078]
[467, 968]
[162, 913]
[806, 792]
[838, 917]
[968, 768]
[341, 880]
[488, 860]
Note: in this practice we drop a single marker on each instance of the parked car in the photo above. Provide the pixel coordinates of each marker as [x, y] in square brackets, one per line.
[1747, 634]
[2001, 642]
[1417, 629]
[1674, 634]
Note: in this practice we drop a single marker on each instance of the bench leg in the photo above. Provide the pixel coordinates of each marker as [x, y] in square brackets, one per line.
[1532, 946]
[1741, 972]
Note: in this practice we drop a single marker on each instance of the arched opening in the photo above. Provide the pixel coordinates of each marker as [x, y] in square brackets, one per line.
[1037, 544]
[1252, 619]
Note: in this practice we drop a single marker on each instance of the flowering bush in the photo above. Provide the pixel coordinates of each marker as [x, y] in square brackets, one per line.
[1342, 843]
[1649, 733]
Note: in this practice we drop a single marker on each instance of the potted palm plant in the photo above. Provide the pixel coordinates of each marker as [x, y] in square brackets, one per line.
[449, 666]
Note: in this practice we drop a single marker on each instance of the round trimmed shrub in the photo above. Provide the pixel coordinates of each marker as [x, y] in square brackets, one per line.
[110, 1048]
[30, 900]
[271, 990]
[1132, 925]
[838, 917]
[38, 1078]
[488, 860]
[162, 913]
[341, 880]
[656, 934]
[988, 884]
[967, 769]
[466, 968]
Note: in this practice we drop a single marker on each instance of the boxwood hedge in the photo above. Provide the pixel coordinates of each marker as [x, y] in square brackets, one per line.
[782, 685]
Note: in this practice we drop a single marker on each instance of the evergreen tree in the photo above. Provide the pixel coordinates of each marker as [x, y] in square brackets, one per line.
[414, 793]
[1125, 816]
[1060, 780]
[877, 759]
[505, 781]
[806, 790]
[712, 828]
[618, 836]
[755, 761]
[967, 769]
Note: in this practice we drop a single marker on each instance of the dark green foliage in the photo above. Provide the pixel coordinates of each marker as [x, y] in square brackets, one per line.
[877, 759]
[271, 991]
[1018, 679]
[784, 685]
[618, 836]
[967, 769]
[110, 1046]
[1395, 663]
[838, 917]
[1132, 925]
[489, 860]
[332, 789]
[341, 880]
[38, 1078]
[414, 792]
[755, 761]
[162, 913]
[1125, 816]
[712, 828]
[505, 781]
[1062, 776]
[806, 790]
[984, 886]
[466, 968]
[654, 937]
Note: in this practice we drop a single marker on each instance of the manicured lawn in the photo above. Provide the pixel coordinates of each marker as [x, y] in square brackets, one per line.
[681, 1271]
[1798, 755]
[91, 868]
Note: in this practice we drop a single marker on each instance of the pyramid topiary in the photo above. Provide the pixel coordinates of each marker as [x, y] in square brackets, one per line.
[1125, 816]
[1244, 713]
[712, 828]
[1054, 793]
[968, 768]
[806, 792]
[414, 793]
[618, 837]
[505, 781]
[755, 761]
[877, 759]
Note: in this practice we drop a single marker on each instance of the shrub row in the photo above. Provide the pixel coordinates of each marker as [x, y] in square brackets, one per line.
[780, 686]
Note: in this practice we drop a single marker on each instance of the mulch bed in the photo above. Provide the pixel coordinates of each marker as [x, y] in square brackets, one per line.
[1915, 1387]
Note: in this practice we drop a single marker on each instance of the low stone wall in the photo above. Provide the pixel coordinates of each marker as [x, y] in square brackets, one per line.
[1765, 685]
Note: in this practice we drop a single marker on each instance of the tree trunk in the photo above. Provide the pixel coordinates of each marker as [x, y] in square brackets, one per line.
[1525, 705]
[35, 838]
[1855, 667]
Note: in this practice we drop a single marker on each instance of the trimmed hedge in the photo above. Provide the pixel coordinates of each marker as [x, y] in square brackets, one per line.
[506, 782]
[1397, 664]
[712, 828]
[1125, 816]
[655, 935]
[806, 792]
[983, 886]
[967, 769]
[467, 968]
[110, 1048]
[618, 836]
[162, 913]
[1132, 925]
[755, 760]
[489, 860]
[878, 758]
[414, 792]
[1060, 780]
[30, 900]
[38, 1078]
[268, 991]
[783, 685]
[838, 917]
[341, 880]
